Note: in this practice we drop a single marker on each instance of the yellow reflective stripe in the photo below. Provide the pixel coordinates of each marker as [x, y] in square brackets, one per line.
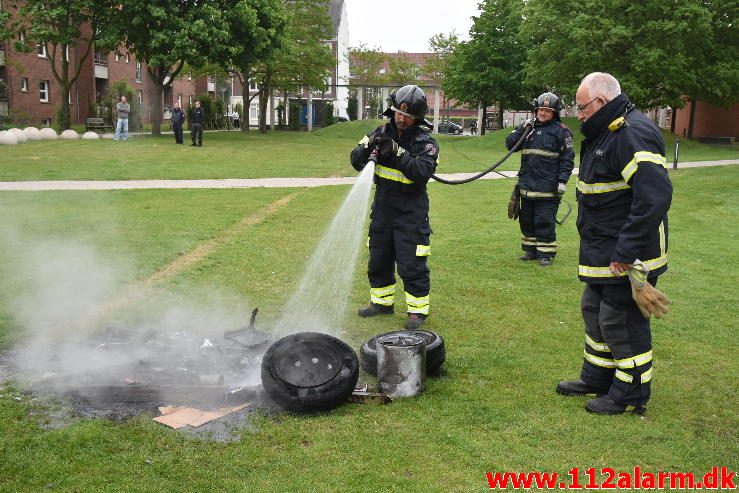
[423, 250]
[646, 376]
[540, 152]
[590, 271]
[642, 156]
[662, 239]
[383, 296]
[597, 361]
[602, 187]
[546, 249]
[549, 247]
[417, 304]
[634, 361]
[528, 241]
[598, 346]
[534, 195]
[391, 174]
[624, 377]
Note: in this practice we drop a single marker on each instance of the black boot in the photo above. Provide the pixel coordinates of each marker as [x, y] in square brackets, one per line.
[578, 387]
[415, 321]
[527, 255]
[604, 405]
[545, 261]
[374, 309]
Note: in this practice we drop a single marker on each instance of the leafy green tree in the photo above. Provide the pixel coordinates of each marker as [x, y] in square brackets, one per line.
[61, 27]
[659, 50]
[487, 69]
[166, 35]
[256, 32]
[304, 60]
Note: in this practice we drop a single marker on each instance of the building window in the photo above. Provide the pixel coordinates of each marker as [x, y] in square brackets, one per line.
[41, 50]
[138, 71]
[117, 57]
[140, 96]
[189, 76]
[254, 111]
[189, 100]
[44, 91]
[128, 57]
[22, 37]
[66, 52]
[179, 100]
[24, 84]
[46, 122]
[252, 85]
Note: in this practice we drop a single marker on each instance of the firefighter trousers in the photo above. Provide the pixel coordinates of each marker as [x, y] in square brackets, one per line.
[538, 226]
[409, 249]
[618, 343]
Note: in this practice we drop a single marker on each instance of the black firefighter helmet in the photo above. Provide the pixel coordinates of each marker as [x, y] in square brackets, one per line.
[409, 101]
[550, 101]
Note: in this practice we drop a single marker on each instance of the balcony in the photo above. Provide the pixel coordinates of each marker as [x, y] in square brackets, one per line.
[101, 66]
[2, 56]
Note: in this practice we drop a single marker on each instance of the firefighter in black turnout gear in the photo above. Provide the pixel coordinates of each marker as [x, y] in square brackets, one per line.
[547, 160]
[399, 233]
[623, 194]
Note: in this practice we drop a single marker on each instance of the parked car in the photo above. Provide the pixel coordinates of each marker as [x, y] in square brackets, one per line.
[449, 127]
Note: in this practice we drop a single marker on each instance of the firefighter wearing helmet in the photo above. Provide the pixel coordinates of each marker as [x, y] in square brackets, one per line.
[547, 160]
[399, 233]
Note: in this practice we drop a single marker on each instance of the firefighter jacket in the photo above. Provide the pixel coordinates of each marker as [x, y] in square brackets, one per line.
[547, 158]
[623, 193]
[400, 199]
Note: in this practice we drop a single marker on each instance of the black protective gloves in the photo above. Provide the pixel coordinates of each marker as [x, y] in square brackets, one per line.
[387, 148]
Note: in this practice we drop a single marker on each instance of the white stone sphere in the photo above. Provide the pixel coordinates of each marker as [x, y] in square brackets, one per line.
[19, 135]
[70, 134]
[8, 138]
[32, 133]
[91, 136]
[48, 133]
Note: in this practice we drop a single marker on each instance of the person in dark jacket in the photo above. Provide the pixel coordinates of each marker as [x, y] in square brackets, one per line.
[623, 194]
[178, 118]
[196, 125]
[547, 160]
[399, 233]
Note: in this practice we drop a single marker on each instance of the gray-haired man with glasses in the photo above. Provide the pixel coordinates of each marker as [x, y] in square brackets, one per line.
[623, 194]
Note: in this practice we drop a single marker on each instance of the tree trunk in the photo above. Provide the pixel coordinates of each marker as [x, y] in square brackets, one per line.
[156, 113]
[500, 115]
[484, 125]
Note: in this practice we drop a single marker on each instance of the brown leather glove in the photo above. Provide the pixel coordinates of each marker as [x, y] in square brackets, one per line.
[650, 300]
[514, 204]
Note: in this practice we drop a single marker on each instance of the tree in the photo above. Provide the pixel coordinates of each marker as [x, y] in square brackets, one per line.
[256, 32]
[488, 68]
[660, 51]
[166, 35]
[304, 60]
[67, 32]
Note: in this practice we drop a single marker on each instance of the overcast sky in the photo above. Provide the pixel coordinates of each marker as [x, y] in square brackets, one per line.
[407, 25]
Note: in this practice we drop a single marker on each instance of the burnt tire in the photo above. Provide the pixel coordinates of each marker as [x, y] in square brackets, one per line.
[435, 351]
[309, 372]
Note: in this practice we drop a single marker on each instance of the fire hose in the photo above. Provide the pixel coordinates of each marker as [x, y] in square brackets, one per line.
[516, 146]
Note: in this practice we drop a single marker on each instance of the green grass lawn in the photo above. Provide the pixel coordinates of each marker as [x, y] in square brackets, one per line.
[512, 330]
[253, 155]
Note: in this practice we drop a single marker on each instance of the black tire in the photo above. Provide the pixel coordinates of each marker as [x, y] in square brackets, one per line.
[435, 351]
[309, 372]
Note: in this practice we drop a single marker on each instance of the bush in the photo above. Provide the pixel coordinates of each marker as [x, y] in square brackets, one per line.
[113, 96]
[352, 106]
[328, 114]
[294, 123]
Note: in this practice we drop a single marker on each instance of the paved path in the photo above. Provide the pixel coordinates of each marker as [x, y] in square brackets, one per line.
[249, 182]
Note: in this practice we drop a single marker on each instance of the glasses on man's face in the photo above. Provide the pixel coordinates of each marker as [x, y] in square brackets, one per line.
[581, 107]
